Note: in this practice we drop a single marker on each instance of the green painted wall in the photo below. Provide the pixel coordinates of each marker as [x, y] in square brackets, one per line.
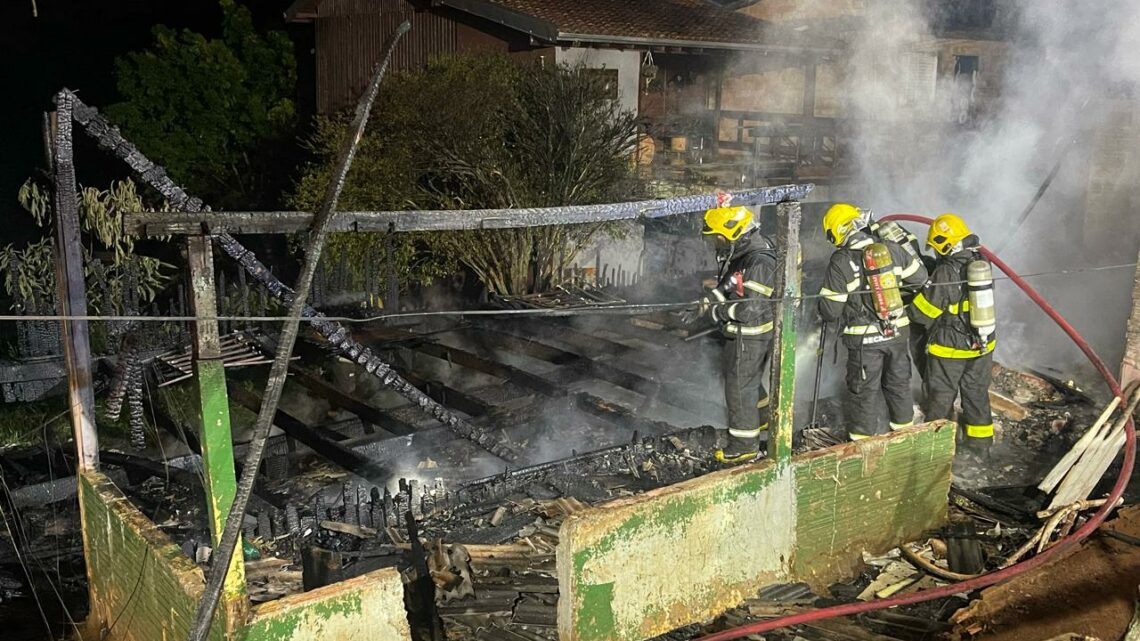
[140, 582]
[869, 496]
[635, 568]
[144, 589]
[644, 565]
[366, 608]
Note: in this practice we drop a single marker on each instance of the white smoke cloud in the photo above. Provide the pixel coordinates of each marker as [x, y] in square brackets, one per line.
[1062, 75]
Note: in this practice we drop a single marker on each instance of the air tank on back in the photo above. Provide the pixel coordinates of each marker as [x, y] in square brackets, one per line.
[980, 290]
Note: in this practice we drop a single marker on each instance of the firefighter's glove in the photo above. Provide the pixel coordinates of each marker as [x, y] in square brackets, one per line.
[692, 315]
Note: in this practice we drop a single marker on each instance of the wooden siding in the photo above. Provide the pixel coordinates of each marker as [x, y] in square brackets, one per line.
[350, 35]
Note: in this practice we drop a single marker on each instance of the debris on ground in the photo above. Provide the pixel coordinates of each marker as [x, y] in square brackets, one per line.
[1099, 600]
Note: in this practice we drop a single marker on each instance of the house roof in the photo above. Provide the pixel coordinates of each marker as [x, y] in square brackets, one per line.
[675, 21]
[671, 23]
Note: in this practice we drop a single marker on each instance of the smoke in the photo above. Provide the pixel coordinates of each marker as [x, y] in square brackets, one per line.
[974, 126]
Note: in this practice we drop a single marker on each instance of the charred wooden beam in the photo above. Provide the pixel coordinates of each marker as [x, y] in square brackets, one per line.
[564, 331]
[478, 363]
[447, 395]
[621, 415]
[678, 396]
[290, 222]
[320, 441]
[70, 285]
[348, 402]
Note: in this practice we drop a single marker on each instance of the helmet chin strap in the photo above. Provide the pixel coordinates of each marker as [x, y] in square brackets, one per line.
[725, 258]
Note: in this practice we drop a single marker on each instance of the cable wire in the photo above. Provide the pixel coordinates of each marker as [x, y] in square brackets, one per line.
[631, 309]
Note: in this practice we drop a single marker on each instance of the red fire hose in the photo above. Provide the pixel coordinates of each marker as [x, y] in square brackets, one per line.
[1001, 575]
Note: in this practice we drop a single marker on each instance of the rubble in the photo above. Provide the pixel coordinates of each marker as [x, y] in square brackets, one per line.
[1097, 601]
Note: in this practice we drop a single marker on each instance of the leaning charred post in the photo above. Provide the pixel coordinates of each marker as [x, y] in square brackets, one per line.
[109, 137]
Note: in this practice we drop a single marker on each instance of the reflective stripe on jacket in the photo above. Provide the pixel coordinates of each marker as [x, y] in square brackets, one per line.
[745, 292]
[845, 297]
[943, 305]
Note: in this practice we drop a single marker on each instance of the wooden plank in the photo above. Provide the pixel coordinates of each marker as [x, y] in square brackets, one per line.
[490, 367]
[321, 443]
[288, 222]
[1008, 407]
[71, 286]
[348, 402]
[446, 395]
[679, 396]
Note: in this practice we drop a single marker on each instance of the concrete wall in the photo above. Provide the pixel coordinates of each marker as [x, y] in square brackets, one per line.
[366, 608]
[634, 568]
[618, 253]
[139, 581]
[627, 63]
[144, 589]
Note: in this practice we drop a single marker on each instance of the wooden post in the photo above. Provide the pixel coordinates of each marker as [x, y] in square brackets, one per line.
[1130, 367]
[213, 401]
[391, 277]
[72, 288]
[787, 312]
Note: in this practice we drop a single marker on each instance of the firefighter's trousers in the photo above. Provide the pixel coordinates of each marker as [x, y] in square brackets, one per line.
[918, 336]
[878, 371]
[946, 378]
[745, 393]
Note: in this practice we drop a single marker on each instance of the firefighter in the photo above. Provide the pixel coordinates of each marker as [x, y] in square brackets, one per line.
[861, 294]
[957, 307]
[740, 302]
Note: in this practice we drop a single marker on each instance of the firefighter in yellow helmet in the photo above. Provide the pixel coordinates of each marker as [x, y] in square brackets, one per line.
[861, 293]
[740, 303]
[958, 307]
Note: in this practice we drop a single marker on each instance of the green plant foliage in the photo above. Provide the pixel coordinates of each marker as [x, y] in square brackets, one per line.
[472, 132]
[217, 113]
[29, 272]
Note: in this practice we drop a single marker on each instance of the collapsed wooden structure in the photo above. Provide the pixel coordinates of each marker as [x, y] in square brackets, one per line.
[725, 534]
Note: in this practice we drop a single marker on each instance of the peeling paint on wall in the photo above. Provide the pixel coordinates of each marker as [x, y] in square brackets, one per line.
[643, 567]
[635, 568]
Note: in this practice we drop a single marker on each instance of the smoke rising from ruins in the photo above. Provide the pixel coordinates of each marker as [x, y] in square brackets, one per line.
[1058, 88]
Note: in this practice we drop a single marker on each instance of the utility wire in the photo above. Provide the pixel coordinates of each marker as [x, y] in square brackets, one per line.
[630, 308]
[20, 558]
[23, 534]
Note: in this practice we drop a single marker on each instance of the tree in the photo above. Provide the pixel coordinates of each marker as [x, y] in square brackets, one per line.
[471, 132]
[217, 113]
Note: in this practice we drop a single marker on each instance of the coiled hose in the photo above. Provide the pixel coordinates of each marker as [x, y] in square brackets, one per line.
[998, 576]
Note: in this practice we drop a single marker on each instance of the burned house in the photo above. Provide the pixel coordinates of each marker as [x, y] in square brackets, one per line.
[541, 471]
[730, 93]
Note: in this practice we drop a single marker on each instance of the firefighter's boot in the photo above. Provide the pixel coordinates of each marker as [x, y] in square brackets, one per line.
[739, 450]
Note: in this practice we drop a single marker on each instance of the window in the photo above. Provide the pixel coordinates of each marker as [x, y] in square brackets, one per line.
[608, 78]
[965, 66]
[965, 86]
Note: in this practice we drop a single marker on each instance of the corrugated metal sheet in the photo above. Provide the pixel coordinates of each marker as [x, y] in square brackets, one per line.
[350, 35]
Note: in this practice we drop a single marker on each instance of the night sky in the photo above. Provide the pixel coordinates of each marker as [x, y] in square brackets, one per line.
[74, 43]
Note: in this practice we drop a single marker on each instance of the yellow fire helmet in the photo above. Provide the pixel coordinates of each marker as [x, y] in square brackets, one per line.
[945, 232]
[728, 222]
[839, 221]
